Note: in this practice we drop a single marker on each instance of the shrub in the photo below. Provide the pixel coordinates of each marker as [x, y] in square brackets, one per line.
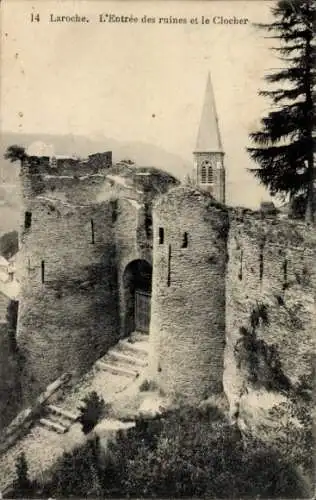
[92, 412]
[22, 484]
[186, 454]
[76, 474]
[183, 454]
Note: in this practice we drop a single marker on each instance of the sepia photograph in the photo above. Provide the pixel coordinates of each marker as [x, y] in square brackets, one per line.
[157, 249]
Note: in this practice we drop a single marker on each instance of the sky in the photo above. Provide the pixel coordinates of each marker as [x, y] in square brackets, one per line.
[137, 81]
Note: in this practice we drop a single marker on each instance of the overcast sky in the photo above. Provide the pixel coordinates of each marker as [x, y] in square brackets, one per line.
[137, 82]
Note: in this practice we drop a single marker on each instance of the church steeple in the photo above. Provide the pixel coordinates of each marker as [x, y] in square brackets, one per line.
[209, 172]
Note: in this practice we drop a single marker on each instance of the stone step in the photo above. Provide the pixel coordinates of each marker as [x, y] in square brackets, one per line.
[138, 348]
[138, 337]
[115, 369]
[132, 360]
[53, 426]
[73, 417]
[58, 419]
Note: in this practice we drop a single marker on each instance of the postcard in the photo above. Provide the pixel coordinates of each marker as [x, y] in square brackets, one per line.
[157, 249]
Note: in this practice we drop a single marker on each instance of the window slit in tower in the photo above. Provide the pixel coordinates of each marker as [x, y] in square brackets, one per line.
[43, 271]
[210, 174]
[169, 266]
[148, 225]
[27, 220]
[203, 174]
[185, 240]
[285, 273]
[240, 268]
[261, 263]
[161, 235]
[92, 232]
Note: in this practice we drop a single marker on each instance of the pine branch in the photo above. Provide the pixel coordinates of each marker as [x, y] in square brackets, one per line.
[290, 74]
[279, 95]
[286, 139]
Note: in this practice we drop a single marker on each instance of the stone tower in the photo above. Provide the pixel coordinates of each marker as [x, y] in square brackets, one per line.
[187, 329]
[209, 171]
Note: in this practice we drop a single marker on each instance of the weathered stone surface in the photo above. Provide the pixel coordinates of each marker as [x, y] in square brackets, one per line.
[79, 232]
[271, 265]
[210, 273]
[62, 325]
[188, 305]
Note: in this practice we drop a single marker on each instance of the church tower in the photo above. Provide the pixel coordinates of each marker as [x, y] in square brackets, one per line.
[209, 171]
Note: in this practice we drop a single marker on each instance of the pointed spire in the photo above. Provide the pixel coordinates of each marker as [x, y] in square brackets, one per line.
[209, 139]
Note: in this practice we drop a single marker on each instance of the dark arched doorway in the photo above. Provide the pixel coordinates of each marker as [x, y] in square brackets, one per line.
[137, 296]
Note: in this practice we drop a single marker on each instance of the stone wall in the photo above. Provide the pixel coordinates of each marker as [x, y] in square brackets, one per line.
[78, 235]
[68, 314]
[187, 328]
[76, 187]
[270, 314]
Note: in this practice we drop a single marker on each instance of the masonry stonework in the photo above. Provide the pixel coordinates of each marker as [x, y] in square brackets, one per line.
[79, 233]
[188, 304]
[271, 266]
[85, 237]
[68, 307]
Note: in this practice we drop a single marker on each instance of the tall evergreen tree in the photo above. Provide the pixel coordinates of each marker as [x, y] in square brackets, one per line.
[284, 147]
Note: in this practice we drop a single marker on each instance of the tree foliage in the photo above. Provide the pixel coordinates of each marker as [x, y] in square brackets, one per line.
[91, 413]
[78, 473]
[195, 453]
[9, 244]
[15, 153]
[187, 453]
[285, 144]
[22, 484]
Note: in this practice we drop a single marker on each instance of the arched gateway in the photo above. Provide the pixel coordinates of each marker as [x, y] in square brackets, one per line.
[137, 296]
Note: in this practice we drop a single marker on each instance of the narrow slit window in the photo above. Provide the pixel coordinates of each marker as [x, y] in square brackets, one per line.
[27, 220]
[261, 264]
[184, 240]
[161, 235]
[148, 225]
[240, 265]
[169, 267]
[285, 273]
[92, 231]
[203, 174]
[210, 174]
[43, 271]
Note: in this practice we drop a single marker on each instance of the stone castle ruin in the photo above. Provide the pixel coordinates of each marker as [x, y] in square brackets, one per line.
[226, 295]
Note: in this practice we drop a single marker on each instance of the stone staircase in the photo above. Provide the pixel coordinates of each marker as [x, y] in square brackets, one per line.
[59, 420]
[127, 358]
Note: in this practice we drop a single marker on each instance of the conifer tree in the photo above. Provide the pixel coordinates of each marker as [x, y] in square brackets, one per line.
[284, 147]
